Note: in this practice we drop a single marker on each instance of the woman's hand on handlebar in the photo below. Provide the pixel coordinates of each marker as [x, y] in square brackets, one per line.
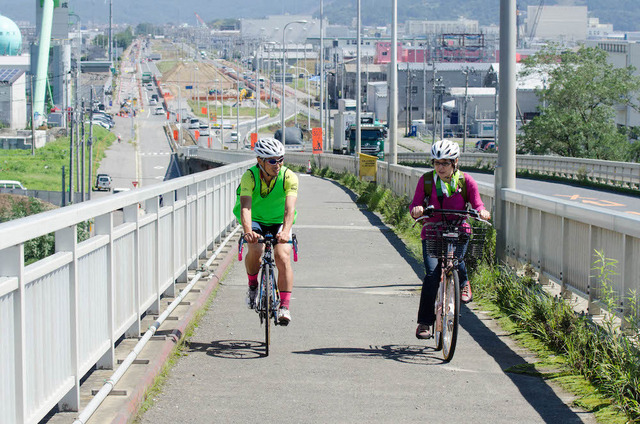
[251, 237]
[417, 211]
[485, 214]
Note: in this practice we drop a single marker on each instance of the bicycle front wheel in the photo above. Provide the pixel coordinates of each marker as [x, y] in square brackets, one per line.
[450, 314]
[267, 309]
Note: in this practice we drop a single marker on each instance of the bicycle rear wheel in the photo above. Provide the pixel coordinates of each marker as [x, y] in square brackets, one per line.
[267, 308]
[437, 326]
[450, 314]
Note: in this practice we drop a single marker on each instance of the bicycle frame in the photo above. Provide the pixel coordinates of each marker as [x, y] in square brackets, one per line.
[449, 240]
[268, 296]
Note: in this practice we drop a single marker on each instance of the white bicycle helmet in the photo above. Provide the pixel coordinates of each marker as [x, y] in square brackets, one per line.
[268, 148]
[445, 149]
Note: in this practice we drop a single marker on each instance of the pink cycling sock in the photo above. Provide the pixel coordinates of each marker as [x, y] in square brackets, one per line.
[253, 280]
[285, 296]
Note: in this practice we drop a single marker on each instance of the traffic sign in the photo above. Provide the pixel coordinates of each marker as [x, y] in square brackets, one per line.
[189, 87]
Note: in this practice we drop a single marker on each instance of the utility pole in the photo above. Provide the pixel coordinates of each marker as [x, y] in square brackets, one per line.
[33, 123]
[238, 116]
[393, 87]
[433, 104]
[83, 155]
[358, 87]
[90, 144]
[505, 172]
[321, 72]
[77, 116]
[424, 86]
[71, 153]
[466, 72]
[407, 114]
[110, 29]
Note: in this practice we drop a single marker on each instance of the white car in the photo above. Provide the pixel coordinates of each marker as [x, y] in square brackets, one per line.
[194, 124]
[159, 111]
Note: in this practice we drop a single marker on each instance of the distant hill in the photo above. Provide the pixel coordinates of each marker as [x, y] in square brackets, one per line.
[623, 14]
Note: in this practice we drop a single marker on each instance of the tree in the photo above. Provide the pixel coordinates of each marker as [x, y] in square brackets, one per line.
[577, 119]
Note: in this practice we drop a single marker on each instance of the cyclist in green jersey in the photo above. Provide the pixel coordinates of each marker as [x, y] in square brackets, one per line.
[266, 204]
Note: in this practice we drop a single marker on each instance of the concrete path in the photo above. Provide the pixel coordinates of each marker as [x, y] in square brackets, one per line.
[349, 354]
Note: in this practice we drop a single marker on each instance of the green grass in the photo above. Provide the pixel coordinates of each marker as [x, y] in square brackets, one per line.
[44, 170]
[244, 111]
[165, 66]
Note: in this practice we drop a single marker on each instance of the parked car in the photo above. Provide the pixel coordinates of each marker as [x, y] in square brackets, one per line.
[103, 124]
[103, 182]
[482, 144]
[12, 184]
[234, 136]
[204, 129]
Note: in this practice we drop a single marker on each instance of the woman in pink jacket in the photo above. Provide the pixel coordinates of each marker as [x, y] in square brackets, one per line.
[446, 193]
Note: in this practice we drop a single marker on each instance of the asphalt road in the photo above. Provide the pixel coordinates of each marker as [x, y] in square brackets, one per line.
[349, 354]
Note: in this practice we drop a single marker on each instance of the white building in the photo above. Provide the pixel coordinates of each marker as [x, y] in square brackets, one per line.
[13, 99]
[271, 27]
[563, 23]
[622, 53]
[461, 26]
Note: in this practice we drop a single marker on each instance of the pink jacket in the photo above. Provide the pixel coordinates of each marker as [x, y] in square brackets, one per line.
[455, 201]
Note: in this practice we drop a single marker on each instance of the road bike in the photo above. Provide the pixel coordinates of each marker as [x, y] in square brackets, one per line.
[267, 299]
[451, 240]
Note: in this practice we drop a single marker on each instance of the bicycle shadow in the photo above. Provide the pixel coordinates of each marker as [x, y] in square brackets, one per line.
[408, 354]
[229, 349]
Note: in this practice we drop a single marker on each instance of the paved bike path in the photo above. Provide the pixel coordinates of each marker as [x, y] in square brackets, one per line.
[349, 354]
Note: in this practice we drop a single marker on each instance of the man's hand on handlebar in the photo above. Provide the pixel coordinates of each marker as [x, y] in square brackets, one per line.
[251, 237]
[282, 237]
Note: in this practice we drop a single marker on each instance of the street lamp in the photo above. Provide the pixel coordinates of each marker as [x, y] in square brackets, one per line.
[283, 95]
[308, 95]
[257, 91]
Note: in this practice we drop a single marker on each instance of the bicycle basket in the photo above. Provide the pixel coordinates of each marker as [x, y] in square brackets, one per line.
[439, 236]
[478, 241]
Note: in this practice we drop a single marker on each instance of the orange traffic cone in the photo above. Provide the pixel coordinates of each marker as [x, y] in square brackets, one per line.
[309, 167]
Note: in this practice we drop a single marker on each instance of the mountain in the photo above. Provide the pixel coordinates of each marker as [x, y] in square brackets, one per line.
[623, 14]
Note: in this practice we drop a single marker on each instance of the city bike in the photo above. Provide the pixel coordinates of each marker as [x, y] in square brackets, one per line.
[267, 299]
[451, 240]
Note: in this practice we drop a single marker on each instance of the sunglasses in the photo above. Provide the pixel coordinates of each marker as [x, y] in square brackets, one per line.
[273, 161]
[442, 164]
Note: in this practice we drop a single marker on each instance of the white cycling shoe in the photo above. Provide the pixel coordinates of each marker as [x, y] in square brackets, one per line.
[284, 316]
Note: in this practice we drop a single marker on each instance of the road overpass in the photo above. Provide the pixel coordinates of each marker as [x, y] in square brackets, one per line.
[66, 315]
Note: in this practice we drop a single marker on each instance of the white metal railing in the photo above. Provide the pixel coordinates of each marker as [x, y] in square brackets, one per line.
[625, 174]
[557, 237]
[63, 314]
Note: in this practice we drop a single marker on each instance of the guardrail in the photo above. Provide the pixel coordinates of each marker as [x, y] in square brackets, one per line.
[557, 237]
[623, 174]
[62, 315]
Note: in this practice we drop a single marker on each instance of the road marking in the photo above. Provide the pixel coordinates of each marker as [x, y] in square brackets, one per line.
[155, 154]
[591, 200]
[345, 227]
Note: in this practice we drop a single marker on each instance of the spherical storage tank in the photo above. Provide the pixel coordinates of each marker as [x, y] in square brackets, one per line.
[10, 37]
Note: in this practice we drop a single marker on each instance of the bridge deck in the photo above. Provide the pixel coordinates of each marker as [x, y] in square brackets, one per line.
[349, 354]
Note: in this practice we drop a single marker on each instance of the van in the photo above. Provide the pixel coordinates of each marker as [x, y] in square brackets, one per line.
[194, 124]
[103, 182]
[12, 184]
